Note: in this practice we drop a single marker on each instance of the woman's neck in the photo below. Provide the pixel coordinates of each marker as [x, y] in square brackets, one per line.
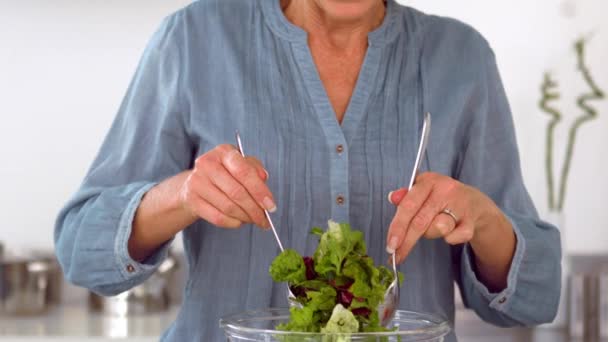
[336, 32]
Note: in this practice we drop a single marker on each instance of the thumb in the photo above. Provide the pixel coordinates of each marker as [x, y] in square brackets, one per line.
[262, 173]
[395, 197]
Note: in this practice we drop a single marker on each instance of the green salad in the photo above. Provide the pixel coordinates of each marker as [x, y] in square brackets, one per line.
[339, 287]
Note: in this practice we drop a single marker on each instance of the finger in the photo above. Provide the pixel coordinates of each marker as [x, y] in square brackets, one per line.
[441, 226]
[262, 173]
[420, 223]
[463, 233]
[218, 199]
[236, 192]
[213, 215]
[406, 210]
[247, 175]
[395, 197]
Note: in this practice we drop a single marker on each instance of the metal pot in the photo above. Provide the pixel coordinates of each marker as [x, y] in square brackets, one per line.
[588, 297]
[151, 296]
[55, 285]
[23, 286]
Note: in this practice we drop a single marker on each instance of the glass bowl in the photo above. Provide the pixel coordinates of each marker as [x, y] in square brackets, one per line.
[259, 326]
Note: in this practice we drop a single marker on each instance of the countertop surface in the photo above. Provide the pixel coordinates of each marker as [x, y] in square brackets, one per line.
[77, 323]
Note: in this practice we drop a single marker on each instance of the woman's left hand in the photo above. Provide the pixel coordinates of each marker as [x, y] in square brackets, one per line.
[438, 206]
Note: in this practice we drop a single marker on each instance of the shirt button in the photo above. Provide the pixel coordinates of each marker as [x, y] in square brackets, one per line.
[340, 200]
[502, 300]
[340, 148]
[130, 268]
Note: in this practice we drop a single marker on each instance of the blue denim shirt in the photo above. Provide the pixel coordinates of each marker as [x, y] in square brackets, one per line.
[221, 65]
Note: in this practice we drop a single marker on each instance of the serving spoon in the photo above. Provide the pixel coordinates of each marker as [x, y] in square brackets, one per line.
[386, 310]
[290, 294]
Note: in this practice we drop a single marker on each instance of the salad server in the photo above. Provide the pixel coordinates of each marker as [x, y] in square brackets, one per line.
[386, 310]
[290, 294]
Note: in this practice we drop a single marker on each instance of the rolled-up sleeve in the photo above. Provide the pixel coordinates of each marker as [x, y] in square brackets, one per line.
[491, 163]
[147, 143]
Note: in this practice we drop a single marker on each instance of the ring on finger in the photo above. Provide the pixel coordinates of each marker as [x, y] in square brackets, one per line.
[450, 213]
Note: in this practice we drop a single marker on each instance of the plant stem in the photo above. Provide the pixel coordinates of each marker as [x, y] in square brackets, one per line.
[589, 113]
[548, 96]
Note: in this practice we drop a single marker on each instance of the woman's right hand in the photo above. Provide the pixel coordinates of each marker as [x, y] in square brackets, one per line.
[227, 190]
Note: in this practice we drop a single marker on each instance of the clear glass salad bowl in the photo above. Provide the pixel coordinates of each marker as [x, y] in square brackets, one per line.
[259, 326]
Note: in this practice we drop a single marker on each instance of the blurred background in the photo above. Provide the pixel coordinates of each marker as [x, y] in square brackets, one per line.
[65, 66]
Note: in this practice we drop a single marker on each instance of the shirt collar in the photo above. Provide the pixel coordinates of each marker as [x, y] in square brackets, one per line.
[278, 23]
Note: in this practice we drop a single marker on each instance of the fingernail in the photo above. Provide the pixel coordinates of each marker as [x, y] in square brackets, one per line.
[267, 175]
[269, 205]
[390, 195]
[392, 245]
[230, 158]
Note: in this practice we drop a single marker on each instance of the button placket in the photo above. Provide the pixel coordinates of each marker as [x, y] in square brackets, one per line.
[340, 180]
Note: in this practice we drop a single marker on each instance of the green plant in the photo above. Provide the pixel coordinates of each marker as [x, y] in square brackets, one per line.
[549, 92]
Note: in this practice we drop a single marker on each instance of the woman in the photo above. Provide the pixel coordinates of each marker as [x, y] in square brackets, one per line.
[328, 96]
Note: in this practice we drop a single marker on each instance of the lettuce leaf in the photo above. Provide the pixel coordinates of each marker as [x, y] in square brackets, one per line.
[289, 267]
[341, 321]
[334, 246]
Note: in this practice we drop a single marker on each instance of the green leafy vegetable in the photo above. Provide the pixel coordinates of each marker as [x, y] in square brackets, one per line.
[288, 266]
[338, 242]
[341, 321]
[339, 288]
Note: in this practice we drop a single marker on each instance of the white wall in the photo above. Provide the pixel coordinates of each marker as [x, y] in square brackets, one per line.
[65, 65]
[529, 37]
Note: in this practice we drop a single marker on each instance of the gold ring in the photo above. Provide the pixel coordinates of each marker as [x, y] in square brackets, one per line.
[451, 213]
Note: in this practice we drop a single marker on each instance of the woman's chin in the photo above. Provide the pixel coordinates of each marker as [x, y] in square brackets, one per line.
[348, 10]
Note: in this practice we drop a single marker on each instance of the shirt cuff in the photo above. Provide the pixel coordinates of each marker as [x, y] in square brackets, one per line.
[498, 301]
[129, 268]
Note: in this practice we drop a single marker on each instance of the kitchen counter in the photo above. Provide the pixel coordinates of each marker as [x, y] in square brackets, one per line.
[76, 323]
[469, 328]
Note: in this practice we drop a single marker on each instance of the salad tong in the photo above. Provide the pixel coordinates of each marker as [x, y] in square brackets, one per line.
[239, 144]
[386, 310]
